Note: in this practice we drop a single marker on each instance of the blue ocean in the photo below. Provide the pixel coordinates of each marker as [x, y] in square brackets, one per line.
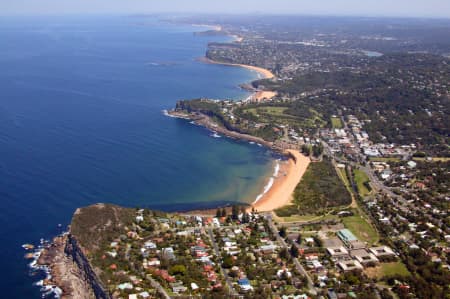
[81, 122]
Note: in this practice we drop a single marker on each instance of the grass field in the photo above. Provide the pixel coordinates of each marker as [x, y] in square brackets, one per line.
[268, 110]
[361, 228]
[388, 269]
[306, 218]
[280, 115]
[360, 179]
[336, 123]
[434, 159]
[381, 159]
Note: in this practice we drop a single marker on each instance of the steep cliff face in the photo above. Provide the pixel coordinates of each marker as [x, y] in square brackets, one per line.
[71, 257]
[95, 286]
[65, 271]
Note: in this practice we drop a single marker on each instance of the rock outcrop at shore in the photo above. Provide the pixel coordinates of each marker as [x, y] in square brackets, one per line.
[94, 285]
[66, 257]
[70, 270]
[206, 121]
[67, 272]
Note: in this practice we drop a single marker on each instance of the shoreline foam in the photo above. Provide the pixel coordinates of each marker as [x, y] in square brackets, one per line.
[264, 72]
[279, 189]
[283, 185]
[284, 178]
[257, 95]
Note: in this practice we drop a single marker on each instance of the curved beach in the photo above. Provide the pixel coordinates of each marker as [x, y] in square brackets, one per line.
[259, 95]
[264, 72]
[283, 186]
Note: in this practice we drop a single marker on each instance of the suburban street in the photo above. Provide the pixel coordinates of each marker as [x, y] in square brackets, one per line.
[222, 270]
[299, 267]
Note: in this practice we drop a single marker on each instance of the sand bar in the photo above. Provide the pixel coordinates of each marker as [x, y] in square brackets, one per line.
[284, 184]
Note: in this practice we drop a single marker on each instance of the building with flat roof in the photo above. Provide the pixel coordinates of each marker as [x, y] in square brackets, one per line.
[364, 257]
[338, 253]
[346, 235]
[382, 251]
[349, 239]
[350, 265]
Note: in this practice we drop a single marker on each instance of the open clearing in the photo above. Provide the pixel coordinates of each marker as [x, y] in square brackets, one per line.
[361, 180]
[361, 228]
[387, 269]
[336, 123]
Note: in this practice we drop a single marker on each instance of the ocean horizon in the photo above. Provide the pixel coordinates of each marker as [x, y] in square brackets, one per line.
[82, 122]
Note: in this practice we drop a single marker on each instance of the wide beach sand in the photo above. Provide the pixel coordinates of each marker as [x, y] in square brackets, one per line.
[264, 72]
[264, 95]
[284, 185]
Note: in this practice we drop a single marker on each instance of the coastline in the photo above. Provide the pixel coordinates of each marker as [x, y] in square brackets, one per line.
[66, 276]
[206, 122]
[284, 182]
[63, 277]
[281, 183]
[287, 174]
[258, 95]
[211, 27]
[264, 72]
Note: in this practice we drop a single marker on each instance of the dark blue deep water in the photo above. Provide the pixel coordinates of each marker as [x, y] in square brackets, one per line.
[81, 123]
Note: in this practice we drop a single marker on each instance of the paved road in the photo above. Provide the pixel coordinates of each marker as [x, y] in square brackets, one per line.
[159, 288]
[297, 264]
[378, 185]
[374, 181]
[224, 273]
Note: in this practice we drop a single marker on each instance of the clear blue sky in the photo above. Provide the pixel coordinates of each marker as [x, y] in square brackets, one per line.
[405, 8]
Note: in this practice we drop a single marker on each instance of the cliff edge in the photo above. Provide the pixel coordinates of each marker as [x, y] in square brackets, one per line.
[70, 257]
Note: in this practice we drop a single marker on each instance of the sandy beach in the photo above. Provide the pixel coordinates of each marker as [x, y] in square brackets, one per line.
[257, 96]
[263, 95]
[264, 72]
[210, 27]
[284, 184]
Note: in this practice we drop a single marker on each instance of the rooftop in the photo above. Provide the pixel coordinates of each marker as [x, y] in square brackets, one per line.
[346, 235]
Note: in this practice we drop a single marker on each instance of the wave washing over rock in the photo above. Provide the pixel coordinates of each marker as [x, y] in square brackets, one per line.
[69, 274]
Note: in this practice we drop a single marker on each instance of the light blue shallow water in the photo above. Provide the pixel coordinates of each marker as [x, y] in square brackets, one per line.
[81, 122]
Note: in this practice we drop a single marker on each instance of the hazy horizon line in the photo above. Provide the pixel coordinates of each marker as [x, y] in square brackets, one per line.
[166, 13]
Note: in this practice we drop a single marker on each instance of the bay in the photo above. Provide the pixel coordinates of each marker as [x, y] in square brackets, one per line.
[81, 122]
